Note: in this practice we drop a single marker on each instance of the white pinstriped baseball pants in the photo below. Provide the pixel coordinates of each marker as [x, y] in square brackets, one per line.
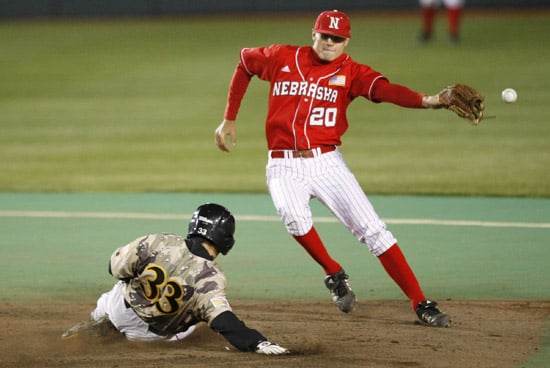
[293, 182]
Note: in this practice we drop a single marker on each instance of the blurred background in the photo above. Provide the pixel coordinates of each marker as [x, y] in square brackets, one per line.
[54, 8]
[124, 96]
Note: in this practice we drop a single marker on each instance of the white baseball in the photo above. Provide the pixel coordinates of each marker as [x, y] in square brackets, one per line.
[509, 95]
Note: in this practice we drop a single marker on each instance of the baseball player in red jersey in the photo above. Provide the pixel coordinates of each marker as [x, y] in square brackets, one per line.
[311, 88]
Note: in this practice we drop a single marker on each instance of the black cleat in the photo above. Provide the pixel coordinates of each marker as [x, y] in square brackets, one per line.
[430, 315]
[342, 295]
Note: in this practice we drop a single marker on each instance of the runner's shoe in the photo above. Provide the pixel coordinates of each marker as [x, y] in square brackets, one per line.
[92, 328]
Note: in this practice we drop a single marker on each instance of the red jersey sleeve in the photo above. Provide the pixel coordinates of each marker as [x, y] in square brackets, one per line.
[384, 91]
[254, 61]
[237, 89]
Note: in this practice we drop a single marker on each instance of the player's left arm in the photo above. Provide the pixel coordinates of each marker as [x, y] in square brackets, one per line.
[242, 337]
[236, 332]
[463, 100]
[385, 91]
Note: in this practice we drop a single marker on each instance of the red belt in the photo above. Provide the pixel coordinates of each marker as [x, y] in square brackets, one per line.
[302, 153]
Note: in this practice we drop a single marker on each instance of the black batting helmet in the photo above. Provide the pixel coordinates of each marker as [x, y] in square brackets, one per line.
[214, 223]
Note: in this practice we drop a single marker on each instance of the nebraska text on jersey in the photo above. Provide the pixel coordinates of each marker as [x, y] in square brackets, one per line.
[313, 90]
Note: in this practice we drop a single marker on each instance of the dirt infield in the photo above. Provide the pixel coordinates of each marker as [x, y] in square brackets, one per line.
[376, 334]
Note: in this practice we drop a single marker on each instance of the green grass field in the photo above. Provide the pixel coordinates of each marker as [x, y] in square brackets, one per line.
[131, 105]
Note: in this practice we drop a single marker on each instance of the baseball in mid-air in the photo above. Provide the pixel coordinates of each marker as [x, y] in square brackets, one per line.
[509, 95]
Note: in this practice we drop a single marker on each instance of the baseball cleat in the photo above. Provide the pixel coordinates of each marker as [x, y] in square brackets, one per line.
[430, 315]
[342, 295]
[91, 328]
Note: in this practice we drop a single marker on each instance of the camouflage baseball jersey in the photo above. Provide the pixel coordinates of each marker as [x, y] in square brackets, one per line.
[169, 287]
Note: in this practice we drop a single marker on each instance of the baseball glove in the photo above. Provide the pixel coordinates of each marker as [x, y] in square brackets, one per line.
[464, 101]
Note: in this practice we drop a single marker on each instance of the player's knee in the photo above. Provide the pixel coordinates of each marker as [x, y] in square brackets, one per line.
[297, 228]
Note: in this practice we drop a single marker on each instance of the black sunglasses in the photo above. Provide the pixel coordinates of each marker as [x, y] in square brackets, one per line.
[334, 39]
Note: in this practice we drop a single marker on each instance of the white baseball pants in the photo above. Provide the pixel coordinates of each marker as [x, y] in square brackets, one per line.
[293, 182]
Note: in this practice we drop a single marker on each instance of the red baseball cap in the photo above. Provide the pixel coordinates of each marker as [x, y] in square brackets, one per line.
[333, 22]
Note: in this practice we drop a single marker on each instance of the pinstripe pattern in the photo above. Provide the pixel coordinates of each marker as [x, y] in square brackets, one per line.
[293, 182]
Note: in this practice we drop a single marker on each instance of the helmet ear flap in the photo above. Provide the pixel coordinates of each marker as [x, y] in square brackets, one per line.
[214, 223]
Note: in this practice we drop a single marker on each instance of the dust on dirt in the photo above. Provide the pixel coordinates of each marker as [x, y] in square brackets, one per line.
[377, 334]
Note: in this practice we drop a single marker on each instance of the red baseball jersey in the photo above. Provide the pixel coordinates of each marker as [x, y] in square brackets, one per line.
[308, 97]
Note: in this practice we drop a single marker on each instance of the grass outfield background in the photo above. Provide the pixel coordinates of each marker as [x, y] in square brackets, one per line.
[131, 105]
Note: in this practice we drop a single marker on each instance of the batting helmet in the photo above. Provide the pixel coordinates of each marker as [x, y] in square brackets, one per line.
[214, 223]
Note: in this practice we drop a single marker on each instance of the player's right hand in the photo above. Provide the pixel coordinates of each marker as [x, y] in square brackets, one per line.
[225, 128]
[269, 348]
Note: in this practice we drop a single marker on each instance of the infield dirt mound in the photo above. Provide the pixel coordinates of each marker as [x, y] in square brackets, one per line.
[376, 334]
